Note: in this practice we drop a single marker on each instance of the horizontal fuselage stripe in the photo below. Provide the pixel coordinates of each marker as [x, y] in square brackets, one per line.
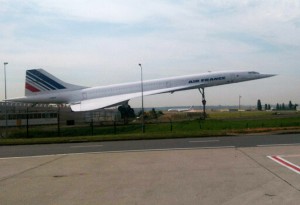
[182, 83]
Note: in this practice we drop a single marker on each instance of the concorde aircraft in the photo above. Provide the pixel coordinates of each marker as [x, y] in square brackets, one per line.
[42, 87]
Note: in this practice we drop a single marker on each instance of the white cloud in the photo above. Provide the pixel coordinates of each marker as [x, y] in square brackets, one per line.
[115, 11]
[109, 38]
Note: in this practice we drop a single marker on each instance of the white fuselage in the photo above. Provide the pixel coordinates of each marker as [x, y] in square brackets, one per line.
[164, 85]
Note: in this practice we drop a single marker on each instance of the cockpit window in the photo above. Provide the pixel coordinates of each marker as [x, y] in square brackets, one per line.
[252, 72]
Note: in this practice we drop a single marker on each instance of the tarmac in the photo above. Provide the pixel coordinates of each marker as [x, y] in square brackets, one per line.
[193, 176]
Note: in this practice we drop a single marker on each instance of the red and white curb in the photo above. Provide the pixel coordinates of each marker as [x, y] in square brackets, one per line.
[285, 163]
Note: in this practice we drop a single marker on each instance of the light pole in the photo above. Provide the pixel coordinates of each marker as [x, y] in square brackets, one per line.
[142, 89]
[5, 106]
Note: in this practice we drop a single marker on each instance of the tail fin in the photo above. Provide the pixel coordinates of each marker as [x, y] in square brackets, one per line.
[38, 81]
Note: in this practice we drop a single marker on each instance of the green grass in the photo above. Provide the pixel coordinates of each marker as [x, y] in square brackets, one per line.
[134, 136]
[218, 124]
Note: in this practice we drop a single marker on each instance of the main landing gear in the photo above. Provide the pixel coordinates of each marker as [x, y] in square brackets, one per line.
[201, 90]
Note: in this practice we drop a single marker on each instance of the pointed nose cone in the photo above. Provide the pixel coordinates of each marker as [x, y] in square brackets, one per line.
[266, 75]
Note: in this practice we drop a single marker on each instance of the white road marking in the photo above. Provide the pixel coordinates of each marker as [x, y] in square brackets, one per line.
[285, 163]
[84, 146]
[203, 141]
[221, 147]
[274, 145]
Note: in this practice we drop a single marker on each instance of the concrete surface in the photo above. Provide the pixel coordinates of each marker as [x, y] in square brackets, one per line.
[196, 176]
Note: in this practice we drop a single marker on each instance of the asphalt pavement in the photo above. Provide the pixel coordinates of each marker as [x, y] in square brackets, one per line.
[162, 144]
[216, 170]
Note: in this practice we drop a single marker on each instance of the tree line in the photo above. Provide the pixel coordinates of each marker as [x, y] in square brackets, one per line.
[279, 106]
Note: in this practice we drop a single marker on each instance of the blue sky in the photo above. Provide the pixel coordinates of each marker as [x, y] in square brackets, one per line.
[101, 42]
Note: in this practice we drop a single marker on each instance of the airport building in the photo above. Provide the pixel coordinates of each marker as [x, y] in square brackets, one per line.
[21, 114]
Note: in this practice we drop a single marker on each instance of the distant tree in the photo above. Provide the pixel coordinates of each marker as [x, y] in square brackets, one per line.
[291, 106]
[126, 112]
[266, 106]
[283, 106]
[259, 107]
[153, 113]
[269, 107]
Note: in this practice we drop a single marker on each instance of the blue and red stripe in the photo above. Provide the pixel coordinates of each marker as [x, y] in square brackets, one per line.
[31, 88]
[42, 80]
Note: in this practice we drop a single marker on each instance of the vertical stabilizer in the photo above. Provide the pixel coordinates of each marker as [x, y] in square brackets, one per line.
[38, 81]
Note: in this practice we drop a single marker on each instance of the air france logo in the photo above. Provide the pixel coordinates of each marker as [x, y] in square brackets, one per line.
[194, 81]
[213, 79]
[208, 79]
